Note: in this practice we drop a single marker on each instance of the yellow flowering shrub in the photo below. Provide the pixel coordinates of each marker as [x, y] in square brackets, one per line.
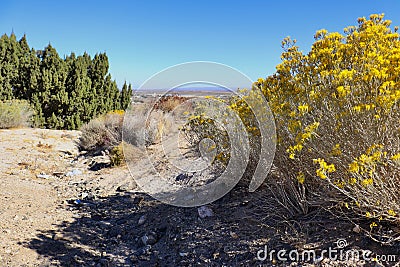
[199, 127]
[337, 111]
[337, 116]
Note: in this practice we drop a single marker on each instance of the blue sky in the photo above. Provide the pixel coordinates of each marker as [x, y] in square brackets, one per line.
[144, 37]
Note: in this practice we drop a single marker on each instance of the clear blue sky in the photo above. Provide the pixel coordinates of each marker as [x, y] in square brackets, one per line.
[144, 37]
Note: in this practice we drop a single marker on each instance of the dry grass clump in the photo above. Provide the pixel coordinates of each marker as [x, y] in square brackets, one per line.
[101, 133]
[145, 127]
[142, 126]
[15, 113]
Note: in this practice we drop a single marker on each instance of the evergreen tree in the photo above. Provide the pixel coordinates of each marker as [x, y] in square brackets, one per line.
[52, 88]
[125, 97]
[8, 65]
[65, 93]
[78, 85]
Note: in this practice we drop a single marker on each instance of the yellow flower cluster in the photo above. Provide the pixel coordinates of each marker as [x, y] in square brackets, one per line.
[301, 177]
[324, 168]
[116, 112]
[336, 151]
[366, 163]
[396, 157]
[303, 108]
[343, 90]
[301, 138]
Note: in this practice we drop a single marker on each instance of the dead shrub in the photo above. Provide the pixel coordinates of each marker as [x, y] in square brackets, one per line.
[101, 133]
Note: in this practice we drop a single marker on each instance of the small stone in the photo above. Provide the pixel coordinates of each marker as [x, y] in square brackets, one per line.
[123, 188]
[183, 254]
[146, 250]
[205, 211]
[151, 240]
[43, 176]
[357, 229]
[78, 259]
[73, 172]
[115, 231]
[142, 220]
[58, 236]
[181, 177]
[133, 258]
[144, 239]
[234, 235]
[148, 239]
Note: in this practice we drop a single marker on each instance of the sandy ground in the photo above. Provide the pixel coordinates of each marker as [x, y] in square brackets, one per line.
[30, 204]
[62, 208]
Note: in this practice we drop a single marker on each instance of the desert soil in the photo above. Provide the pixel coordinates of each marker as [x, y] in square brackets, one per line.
[62, 207]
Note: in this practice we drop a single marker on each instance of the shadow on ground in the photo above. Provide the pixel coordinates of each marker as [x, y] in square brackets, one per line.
[132, 229]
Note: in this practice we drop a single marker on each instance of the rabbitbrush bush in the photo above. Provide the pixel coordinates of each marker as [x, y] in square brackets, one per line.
[15, 113]
[200, 127]
[337, 115]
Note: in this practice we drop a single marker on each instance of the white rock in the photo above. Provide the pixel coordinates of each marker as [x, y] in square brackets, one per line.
[357, 229]
[73, 172]
[205, 211]
[43, 176]
[142, 219]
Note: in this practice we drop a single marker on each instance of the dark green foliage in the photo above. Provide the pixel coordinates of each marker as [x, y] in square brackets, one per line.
[65, 93]
[126, 94]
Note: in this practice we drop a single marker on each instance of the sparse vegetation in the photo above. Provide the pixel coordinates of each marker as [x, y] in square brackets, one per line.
[102, 133]
[168, 103]
[117, 155]
[147, 123]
